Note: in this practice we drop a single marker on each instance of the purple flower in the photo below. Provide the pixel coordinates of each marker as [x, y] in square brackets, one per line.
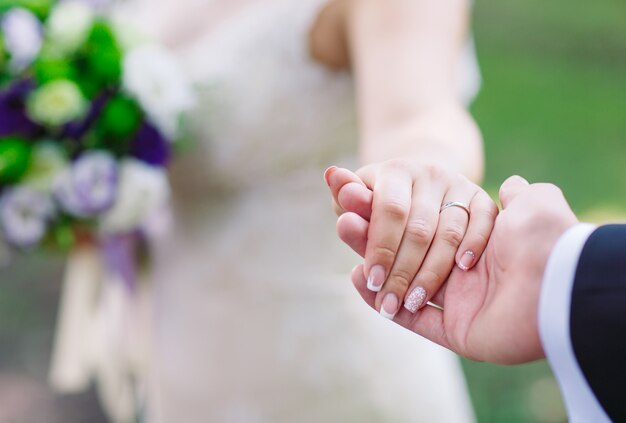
[24, 213]
[77, 129]
[13, 117]
[89, 187]
[150, 146]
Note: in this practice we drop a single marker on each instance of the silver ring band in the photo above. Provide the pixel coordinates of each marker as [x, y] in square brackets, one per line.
[455, 204]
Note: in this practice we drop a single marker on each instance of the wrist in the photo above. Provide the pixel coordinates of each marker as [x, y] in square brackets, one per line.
[444, 136]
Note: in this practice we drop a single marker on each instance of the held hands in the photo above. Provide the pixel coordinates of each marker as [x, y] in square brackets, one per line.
[489, 312]
[392, 215]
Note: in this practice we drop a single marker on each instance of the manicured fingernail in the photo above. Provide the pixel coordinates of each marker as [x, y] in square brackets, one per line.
[390, 306]
[467, 260]
[329, 172]
[416, 299]
[376, 278]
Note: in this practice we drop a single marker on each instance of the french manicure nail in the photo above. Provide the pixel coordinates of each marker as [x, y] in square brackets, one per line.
[415, 299]
[467, 260]
[390, 306]
[329, 172]
[376, 278]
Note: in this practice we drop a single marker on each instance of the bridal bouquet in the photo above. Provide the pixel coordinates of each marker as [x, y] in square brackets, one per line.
[88, 120]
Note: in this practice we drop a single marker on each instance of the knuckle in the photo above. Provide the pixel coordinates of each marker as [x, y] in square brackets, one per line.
[478, 241]
[453, 234]
[547, 204]
[384, 254]
[548, 186]
[431, 279]
[395, 210]
[487, 206]
[433, 172]
[419, 231]
[400, 279]
[397, 164]
[488, 213]
[480, 238]
[549, 189]
[461, 180]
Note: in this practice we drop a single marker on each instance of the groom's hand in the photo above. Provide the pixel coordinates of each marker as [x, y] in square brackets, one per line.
[504, 328]
[490, 312]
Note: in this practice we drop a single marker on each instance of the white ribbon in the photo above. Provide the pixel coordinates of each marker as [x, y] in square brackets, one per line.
[101, 336]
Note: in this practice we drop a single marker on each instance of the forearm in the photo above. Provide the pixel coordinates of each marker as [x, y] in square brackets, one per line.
[405, 56]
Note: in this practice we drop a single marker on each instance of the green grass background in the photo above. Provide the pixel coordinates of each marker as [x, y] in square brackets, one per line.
[552, 108]
[553, 102]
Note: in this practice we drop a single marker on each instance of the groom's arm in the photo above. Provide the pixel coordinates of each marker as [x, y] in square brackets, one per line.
[582, 317]
[598, 317]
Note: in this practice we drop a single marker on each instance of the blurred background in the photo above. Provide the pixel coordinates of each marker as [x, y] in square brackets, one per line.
[552, 108]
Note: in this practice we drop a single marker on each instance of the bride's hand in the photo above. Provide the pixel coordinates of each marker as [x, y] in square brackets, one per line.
[412, 240]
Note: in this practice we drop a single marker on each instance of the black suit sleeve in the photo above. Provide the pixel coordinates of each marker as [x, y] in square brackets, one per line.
[598, 317]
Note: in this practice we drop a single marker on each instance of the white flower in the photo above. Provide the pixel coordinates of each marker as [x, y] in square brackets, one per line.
[157, 81]
[127, 34]
[23, 216]
[142, 191]
[22, 33]
[69, 24]
[56, 103]
[47, 162]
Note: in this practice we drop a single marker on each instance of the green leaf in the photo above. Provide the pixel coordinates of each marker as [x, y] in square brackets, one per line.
[15, 156]
[99, 60]
[64, 236]
[48, 69]
[120, 117]
[41, 8]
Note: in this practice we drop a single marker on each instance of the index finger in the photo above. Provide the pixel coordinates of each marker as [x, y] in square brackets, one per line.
[348, 191]
[390, 211]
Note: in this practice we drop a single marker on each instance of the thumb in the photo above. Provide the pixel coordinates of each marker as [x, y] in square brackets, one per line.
[511, 188]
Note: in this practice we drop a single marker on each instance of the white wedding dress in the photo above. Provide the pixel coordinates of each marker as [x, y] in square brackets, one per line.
[253, 316]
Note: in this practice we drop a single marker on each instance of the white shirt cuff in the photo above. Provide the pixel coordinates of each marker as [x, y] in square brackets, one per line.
[554, 326]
